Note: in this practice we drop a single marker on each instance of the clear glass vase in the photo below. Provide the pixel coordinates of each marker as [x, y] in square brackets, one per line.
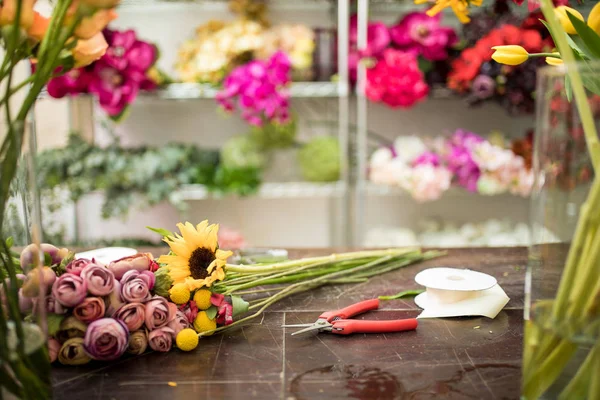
[561, 357]
[24, 359]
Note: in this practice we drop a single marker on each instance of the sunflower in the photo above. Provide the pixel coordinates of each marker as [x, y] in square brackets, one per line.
[195, 257]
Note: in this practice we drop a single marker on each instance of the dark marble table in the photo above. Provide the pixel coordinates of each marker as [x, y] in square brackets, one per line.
[452, 358]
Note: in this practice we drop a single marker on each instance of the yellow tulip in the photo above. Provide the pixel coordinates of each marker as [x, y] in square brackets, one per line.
[561, 14]
[510, 55]
[554, 61]
[594, 18]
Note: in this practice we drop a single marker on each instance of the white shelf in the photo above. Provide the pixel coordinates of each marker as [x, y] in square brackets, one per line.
[380, 190]
[273, 190]
[188, 91]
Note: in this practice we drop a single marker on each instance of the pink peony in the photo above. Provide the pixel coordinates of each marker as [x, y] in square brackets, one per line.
[106, 339]
[132, 315]
[76, 266]
[396, 80]
[139, 262]
[114, 301]
[161, 339]
[421, 34]
[159, 312]
[378, 39]
[69, 290]
[90, 309]
[136, 286]
[178, 323]
[427, 182]
[100, 281]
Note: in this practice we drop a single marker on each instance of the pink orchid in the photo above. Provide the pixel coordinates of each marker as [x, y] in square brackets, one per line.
[422, 35]
[224, 309]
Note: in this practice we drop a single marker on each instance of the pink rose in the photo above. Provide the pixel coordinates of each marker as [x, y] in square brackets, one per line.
[161, 339]
[136, 286]
[90, 309]
[69, 290]
[53, 349]
[159, 312]
[106, 339]
[132, 315]
[114, 301]
[139, 262]
[76, 266]
[178, 323]
[100, 280]
[53, 306]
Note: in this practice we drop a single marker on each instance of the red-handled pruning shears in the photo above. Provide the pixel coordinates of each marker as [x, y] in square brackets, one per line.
[338, 321]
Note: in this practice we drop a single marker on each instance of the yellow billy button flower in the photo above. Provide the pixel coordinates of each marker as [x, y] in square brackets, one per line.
[561, 14]
[187, 339]
[202, 299]
[554, 61]
[510, 55]
[204, 324]
[179, 293]
[594, 18]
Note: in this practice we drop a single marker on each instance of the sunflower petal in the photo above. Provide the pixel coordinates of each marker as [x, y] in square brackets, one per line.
[212, 237]
[223, 254]
[181, 248]
[211, 266]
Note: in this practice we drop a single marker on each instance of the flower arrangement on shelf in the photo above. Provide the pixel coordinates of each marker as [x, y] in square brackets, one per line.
[137, 303]
[426, 169]
[402, 57]
[219, 47]
[116, 78]
[477, 76]
[259, 89]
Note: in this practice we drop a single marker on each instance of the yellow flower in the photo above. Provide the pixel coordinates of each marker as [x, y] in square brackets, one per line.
[196, 259]
[204, 324]
[202, 299]
[561, 14]
[459, 7]
[510, 55]
[179, 293]
[594, 18]
[187, 339]
[554, 61]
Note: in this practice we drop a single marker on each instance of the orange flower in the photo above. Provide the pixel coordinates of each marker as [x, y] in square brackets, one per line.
[9, 11]
[88, 51]
[92, 24]
[39, 27]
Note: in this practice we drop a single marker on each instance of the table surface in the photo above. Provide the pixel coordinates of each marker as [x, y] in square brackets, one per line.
[451, 358]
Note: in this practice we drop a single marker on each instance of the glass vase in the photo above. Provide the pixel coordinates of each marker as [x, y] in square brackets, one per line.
[561, 357]
[24, 359]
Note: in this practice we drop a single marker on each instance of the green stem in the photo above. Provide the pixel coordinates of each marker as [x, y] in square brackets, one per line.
[551, 367]
[15, 89]
[579, 385]
[553, 55]
[585, 113]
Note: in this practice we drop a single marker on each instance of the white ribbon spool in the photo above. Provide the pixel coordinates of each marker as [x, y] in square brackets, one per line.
[452, 292]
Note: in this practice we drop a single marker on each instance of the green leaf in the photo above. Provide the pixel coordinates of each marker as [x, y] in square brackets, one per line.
[10, 241]
[161, 231]
[54, 321]
[47, 259]
[425, 65]
[587, 35]
[240, 305]
[405, 293]
[568, 88]
[211, 312]
[576, 49]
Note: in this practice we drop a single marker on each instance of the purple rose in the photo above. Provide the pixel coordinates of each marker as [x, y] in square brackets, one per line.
[138, 342]
[69, 290]
[106, 339]
[159, 312]
[136, 286]
[52, 306]
[114, 300]
[100, 280]
[76, 266]
[132, 315]
[161, 339]
[90, 309]
[139, 262]
[178, 323]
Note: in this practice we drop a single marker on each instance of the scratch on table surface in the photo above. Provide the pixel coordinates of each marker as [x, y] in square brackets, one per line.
[273, 336]
[463, 369]
[449, 331]
[328, 348]
[400, 357]
[244, 333]
[351, 288]
[283, 363]
[214, 368]
[385, 337]
[480, 376]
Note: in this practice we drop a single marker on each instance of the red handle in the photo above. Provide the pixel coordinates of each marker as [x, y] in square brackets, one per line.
[351, 311]
[346, 327]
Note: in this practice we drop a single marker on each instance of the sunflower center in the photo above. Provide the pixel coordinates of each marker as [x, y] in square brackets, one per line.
[199, 262]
